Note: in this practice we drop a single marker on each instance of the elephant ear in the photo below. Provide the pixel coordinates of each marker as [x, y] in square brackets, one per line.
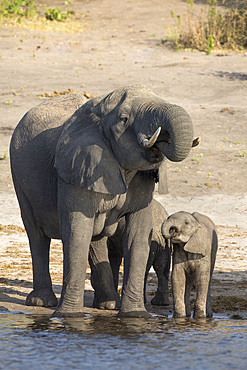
[200, 242]
[83, 155]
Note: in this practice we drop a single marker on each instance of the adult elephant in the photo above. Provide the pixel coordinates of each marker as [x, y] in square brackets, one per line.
[76, 177]
[105, 274]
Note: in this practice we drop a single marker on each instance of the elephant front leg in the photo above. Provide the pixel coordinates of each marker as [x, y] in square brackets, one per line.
[105, 296]
[202, 288]
[136, 250]
[76, 208]
[76, 238]
[178, 290]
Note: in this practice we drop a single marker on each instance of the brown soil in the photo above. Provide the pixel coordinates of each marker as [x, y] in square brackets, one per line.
[107, 46]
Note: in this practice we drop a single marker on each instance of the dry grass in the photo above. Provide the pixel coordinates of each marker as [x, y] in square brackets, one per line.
[212, 28]
[43, 24]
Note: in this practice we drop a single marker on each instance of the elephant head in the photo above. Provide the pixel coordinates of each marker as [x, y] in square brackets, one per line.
[130, 129]
[184, 228]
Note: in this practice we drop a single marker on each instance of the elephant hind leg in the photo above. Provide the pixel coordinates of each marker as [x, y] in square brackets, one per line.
[42, 293]
[161, 265]
[188, 288]
[105, 295]
[209, 311]
[115, 255]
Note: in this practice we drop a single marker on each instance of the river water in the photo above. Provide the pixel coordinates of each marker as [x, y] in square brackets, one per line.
[101, 342]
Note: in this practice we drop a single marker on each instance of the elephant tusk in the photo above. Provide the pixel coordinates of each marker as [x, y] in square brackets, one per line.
[148, 143]
[196, 142]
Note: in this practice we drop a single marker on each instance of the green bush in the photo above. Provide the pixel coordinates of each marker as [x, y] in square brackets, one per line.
[21, 8]
[55, 14]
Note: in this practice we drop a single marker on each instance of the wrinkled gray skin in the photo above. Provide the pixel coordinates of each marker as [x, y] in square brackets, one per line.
[104, 274]
[195, 244]
[76, 175]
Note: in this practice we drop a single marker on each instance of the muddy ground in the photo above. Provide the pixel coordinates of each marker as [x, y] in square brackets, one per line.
[107, 46]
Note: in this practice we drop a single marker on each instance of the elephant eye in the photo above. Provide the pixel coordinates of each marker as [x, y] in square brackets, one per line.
[124, 119]
[186, 222]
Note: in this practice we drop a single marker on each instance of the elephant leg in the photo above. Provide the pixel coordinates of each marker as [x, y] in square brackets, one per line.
[150, 262]
[209, 311]
[42, 293]
[178, 290]
[188, 288]
[136, 247]
[115, 257]
[76, 208]
[162, 268]
[202, 288]
[105, 295]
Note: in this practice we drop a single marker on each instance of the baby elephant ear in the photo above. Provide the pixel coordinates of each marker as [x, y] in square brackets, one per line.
[200, 242]
[84, 157]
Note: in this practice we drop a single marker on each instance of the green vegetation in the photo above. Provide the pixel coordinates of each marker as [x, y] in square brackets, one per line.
[3, 156]
[28, 9]
[32, 15]
[20, 8]
[209, 177]
[198, 158]
[56, 14]
[214, 27]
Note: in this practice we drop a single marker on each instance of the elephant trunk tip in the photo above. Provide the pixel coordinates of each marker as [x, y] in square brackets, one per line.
[196, 142]
[173, 230]
[169, 231]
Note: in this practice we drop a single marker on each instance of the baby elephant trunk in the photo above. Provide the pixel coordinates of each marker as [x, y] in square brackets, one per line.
[170, 229]
[173, 231]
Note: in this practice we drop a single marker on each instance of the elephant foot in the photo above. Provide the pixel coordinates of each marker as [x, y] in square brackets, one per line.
[106, 305]
[135, 314]
[199, 314]
[103, 303]
[42, 297]
[177, 315]
[63, 314]
[160, 300]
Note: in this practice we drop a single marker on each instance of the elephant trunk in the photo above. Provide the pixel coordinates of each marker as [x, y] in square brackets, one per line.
[170, 229]
[176, 135]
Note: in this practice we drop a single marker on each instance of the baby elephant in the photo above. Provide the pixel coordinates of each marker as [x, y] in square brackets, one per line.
[194, 240]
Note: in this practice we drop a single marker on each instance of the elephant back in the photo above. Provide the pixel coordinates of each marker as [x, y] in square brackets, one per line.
[46, 115]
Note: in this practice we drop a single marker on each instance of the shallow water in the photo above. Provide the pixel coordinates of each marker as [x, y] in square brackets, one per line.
[102, 342]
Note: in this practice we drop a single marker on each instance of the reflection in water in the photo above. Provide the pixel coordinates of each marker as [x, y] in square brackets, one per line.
[100, 342]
